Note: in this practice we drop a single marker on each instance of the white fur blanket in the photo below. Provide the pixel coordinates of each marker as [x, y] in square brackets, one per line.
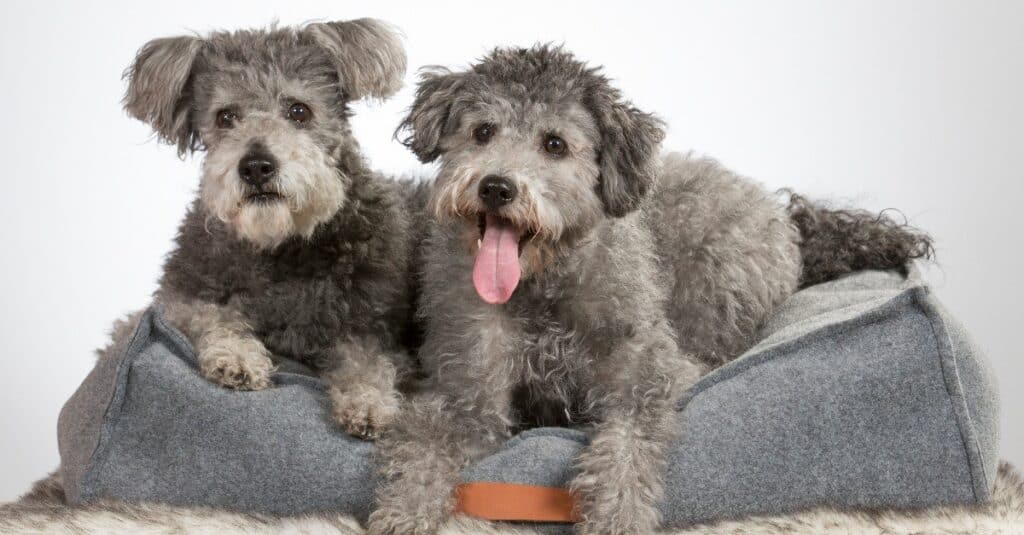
[43, 511]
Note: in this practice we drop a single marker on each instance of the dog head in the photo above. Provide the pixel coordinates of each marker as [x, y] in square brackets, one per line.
[270, 108]
[536, 149]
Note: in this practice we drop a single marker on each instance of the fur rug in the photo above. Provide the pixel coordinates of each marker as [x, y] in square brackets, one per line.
[42, 511]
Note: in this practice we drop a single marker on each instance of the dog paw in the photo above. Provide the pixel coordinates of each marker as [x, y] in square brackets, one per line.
[239, 364]
[386, 522]
[364, 412]
[607, 509]
[617, 522]
[592, 527]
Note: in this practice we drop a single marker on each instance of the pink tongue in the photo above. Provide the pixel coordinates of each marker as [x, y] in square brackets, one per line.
[496, 271]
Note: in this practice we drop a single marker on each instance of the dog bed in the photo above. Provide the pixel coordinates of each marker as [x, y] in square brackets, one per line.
[43, 510]
[863, 393]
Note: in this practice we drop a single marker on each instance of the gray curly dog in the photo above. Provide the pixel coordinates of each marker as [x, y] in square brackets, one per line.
[293, 247]
[575, 276]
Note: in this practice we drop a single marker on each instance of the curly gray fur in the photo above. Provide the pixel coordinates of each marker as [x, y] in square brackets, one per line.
[314, 264]
[837, 242]
[639, 270]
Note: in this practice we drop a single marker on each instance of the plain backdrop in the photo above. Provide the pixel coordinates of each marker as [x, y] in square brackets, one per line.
[914, 105]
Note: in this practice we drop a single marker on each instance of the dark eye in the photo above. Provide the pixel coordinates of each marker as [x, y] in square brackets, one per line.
[226, 118]
[300, 113]
[555, 145]
[483, 133]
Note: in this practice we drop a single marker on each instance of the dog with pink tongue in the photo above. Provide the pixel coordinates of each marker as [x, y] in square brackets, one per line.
[575, 276]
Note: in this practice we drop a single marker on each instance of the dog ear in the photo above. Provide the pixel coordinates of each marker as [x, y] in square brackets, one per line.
[431, 112]
[628, 153]
[158, 89]
[367, 53]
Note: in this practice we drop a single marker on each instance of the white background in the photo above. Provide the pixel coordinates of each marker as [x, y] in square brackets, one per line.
[915, 105]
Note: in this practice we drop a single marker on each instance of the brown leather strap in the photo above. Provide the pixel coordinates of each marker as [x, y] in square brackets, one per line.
[510, 501]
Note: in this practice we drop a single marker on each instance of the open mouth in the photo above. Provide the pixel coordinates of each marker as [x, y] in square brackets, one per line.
[524, 236]
[262, 197]
[496, 271]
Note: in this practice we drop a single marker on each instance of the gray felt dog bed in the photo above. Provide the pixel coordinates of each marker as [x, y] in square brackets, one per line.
[863, 393]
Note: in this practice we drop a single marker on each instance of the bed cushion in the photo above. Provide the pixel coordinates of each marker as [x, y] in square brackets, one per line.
[864, 392]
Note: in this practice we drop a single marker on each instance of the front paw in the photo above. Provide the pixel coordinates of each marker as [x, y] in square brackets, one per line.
[612, 527]
[617, 521]
[237, 363]
[385, 521]
[364, 411]
[619, 510]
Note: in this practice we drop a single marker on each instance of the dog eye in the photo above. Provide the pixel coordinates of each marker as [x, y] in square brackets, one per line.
[226, 118]
[300, 113]
[555, 145]
[483, 133]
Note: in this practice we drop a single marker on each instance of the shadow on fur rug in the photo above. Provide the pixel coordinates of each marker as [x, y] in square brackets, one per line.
[42, 511]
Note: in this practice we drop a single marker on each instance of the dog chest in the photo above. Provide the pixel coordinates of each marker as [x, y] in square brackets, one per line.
[554, 370]
[301, 310]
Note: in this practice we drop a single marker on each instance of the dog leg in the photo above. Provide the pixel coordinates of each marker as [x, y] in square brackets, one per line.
[229, 352]
[463, 413]
[424, 453]
[619, 481]
[363, 386]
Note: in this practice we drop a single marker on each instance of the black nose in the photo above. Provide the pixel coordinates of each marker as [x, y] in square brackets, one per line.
[497, 191]
[257, 168]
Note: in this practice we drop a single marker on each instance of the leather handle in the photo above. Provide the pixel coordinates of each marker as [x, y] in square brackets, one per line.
[511, 501]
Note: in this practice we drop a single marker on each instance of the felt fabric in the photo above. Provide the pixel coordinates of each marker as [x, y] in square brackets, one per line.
[170, 436]
[863, 393]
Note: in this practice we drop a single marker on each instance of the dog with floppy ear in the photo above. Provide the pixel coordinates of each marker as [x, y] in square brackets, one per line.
[573, 275]
[293, 248]
[544, 294]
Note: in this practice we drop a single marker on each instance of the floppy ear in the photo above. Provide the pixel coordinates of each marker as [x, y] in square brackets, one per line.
[158, 89]
[630, 140]
[367, 53]
[428, 119]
